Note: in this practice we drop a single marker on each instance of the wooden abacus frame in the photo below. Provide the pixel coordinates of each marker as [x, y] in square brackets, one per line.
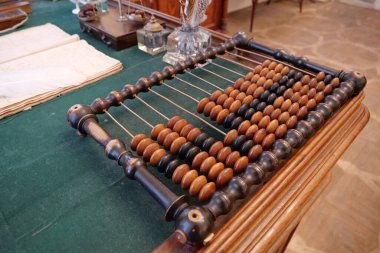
[194, 224]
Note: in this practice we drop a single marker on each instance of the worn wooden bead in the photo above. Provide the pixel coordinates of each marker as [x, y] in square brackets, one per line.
[268, 110]
[257, 69]
[241, 96]
[136, 140]
[268, 141]
[186, 129]
[321, 76]
[215, 148]
[312, 92]
[272, 65]
[208, 108]
[221, 116]
[235, 106]
[251, 89]
[247, 100]
[255, 78]
[288, 93]
[248, 76]
[172, 121]
[148, 152]
[227, 104]
[328, 89]
[232, 158]
[285, 106]
[320, 86]
[319, 97]
[261, 81]
[223, 154]
[250, 133]
[234, 93]
[207, 164]
[281, 131]
[266, 63]
[270, 74]
[285, 71]
[156, 156]
[294, 108]
[180, 172]
[179, 125]
[228, 90]
[197, 185]
[311, 104]
[335, 82]
[162, 135]
[264, 122]
[264, 72]
[303, 100]
[142, 145]
[279, 68]
[214, 96]
[193, 133]
[256, 117]
[244, 87]
[292, 121]
[188, 178]
[241, 164]
[243, 127]
[238, 83]
[304, 90]
[277, 77]
[275, 114]
[254, 152]
[207, 191]
[230, 136]
[272, 126]
[278, 102]
[305, 79]
[176, 144]
[296, 96]
[156, 130]
[215, 111]
[221, 99]
[283, 117]
[215, 171]
[259, 136]
[198, 159]
[224, 177]
[169, 139]
[268, 83]
[302, 112]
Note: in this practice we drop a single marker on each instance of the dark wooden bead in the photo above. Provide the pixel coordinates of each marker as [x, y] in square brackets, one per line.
[264, 96]
[168, 72]
[291, 73]
[190, 61]
[261, 106]
[198, 141]
[271, 98]
[348, 88]
[305, 128]
[294, 137]
[315, 119]
[143, 84]
[283, 80]
[157, 77]
[333, 102]
[238, 142]
[280, 90]
[242, 110]
[324, 109]
[268, 161]
[281, 149]
[298, 76]
[228, 120]
[191, 153]
[289, 83]
[184, 148]
[208, 143]
[170, 168]
[180, 67]
[254, 103]
[164, 161]
[210, 53]
[328, 79]
[248, 114]
[274, 87]
[236, 122]
[340, 94]
[99, 105]
[115, 98]
[247, 145]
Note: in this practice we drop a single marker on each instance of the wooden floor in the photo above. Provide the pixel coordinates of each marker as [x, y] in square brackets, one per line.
[346, 218]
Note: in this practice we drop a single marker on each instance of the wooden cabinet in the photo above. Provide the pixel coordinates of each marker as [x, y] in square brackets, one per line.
[216, 12]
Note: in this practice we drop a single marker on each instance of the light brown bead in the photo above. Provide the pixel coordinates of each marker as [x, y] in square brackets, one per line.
[241, 96]
[320, 86]
[321, 76]
[280, 131]
[278, 102]
[235, 106]
[292, 121]
[272, 65]
[207, 191]
[268, 83]
[270, 74]
[188, 178]
[266, 63]
[272, 126]
[142, 145]
[176, 144]
[312, 93]
[169, 139]
[215, 148]
[215, 171]
[208, 108]
[305, 79]
[215, 111]
[303, 100]
[172, 121]
[149, 151]
[230, 136]
[214, 96]
[251, 89]
[255, 78]
[288, 93]
[264, 122]
[249, 75]
[304, 90]
[296, 96]
[275, 114]
[238, 83]
[241, 164]
[197, 185]
[136, 140]
[257, 69]
[251, 131]
[244, 87]
[335, 82]
[285, 71]
[207, 164]
[243, 127]
[313, 83]
[302, 112]
[179, 173]
[283, 117]
[221, 116]
[264, 72]
[268, 110]
[223, 153]
[259, 136]
[193, 133]
[319, 97]
[294, 108]
[162, 135]
[311, 104]
[179, 125]
[224, 177]
[328, 89]
[277, 77]
[232, 158]
[268, 141]
[285, 106]
[156, 156]
[247, 100]
[228, 90]
[186, 129]
[261, 81]
[254, 152]
[156, 130]
[256, 117]
[279, 68]
[221, 99]
[198, 159]
[234, 93]
[228, 102]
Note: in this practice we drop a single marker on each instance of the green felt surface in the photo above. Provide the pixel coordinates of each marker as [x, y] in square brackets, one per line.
[58, 191]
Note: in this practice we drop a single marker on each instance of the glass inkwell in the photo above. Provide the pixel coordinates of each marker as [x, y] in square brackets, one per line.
[188, 39]
[152, 38]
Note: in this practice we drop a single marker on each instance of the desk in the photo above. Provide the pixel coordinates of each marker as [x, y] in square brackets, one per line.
[58, 192]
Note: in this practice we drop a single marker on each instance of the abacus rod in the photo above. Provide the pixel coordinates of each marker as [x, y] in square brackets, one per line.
[271, 58]
[234, 62]
[215, 74]
[189, 112]
[119, 124]
[138, 116]
[220, 66]
[192, 85]
[151, 107]
[204, 80]
[183, 93]
[244, 58]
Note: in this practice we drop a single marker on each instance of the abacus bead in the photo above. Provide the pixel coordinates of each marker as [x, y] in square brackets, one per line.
[236, 122]
[170, 168]
[266, 63]
[280, 131]
[250, 133]
[142, 145]
[276, 113]
[282, 81]
[320, 76]
[311, 104]
[272, 65]
[283, 117]
[247, 100]
[223, 153]
[278, 102]
[305, 79]
[169, 139]
[261, 106]
[201, 105]
[176, 144]
[311, 93]
[292, 121]
[254, 103]
[232, 158]
[328, 89]
[149, 151]
[228, 90]
[180, 172]
[268, 110]
[254, 152]
[184, 149]
[197, 185]
[228, 102]
[207, 164]
[319, 97]
[164, 161]
[296, 96]
[288, 93]
[320, 86]
[268, 83]
[293, 109]
[186, 129]
[277, 77]
[238, 142]
[115, 97]
[243, 127]
[313, 83]
[215, 148]
[291, 73]
[215, 111]
[248, 114]
[268, 141]
[136, 140]
[172, 121]
[335, 82]
[279, 68]
[259, 136]
[285, 70]
[247, 145]
[248, 76]
[162, 135]
[238, 83]
[208, 108]
[228, 120]
[264, 122]
[251, 89]
[256, 117]
[298, 76]
[191, 153]
[221, 99]
[179, 125]
[221, 116]
[258, 92]
[198, 141]
[234, 106]
[206, 145]
[272, 97]
[302, 112]
[156, 130]
[264, 96]
[272, 126]
[241, 96]
[198, 159]
[215, 95]
[156, 156]
[215, 171]
[328, 79]
[193, 133]
[240, 164]
[242, 110]
[257, 69]
[188, 178]
[224, 177]
[255, 78]
[303, 100]
[263, 73]
[234, 93]
[207, 191]
[304, 90]
[280, 90]
[285, 106]
[244, 86]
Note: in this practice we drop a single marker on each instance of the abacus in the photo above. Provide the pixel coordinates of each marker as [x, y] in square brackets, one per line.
[260, 117]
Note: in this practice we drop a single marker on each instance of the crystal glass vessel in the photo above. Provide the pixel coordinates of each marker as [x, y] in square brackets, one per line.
[152, 38]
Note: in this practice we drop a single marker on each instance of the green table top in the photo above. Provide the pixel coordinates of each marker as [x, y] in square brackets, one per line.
[59, 192]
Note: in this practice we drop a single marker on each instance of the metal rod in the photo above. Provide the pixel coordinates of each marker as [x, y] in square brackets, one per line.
[220, 66]
[234, 62]
[119, 124]
[192, 85]
[244, 58]
[183, 93]
[204, 80]
[215, 74]
[138, 116]
[151, 107]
